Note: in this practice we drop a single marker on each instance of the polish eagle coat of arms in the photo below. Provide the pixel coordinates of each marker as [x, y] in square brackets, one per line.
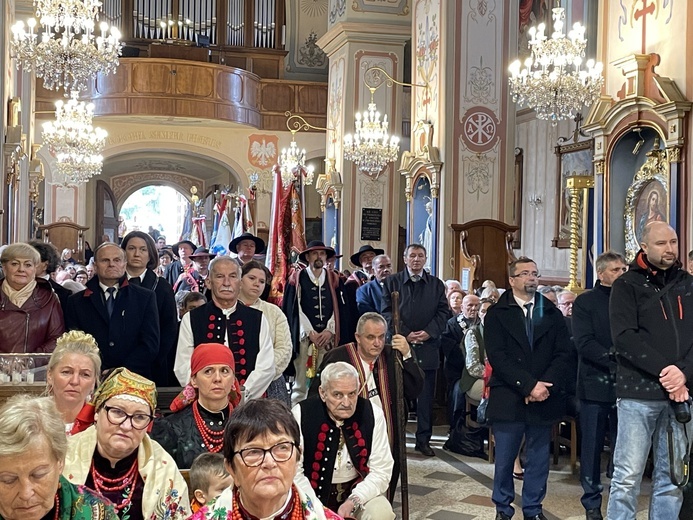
[262, 150]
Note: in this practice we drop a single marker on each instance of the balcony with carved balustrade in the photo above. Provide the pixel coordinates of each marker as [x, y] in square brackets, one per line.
[210, 62]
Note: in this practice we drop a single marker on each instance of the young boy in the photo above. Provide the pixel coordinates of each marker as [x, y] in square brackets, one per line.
[208, 478]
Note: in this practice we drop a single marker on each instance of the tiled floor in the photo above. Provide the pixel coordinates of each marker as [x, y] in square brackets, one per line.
[453, 487]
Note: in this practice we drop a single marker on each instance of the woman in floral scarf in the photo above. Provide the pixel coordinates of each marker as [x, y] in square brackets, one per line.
[261, 449]
[116, 457]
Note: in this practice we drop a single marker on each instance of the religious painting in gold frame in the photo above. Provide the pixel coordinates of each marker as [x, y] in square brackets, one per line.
[573, 159]
[647, 199]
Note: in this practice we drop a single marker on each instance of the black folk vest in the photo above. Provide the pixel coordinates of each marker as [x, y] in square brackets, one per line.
[321, 442]
[316, 302]
[209, 325]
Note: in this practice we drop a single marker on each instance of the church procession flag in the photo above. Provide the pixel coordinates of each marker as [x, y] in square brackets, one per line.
[287, 235]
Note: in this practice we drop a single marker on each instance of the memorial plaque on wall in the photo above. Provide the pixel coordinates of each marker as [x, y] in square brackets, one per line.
[371, 223]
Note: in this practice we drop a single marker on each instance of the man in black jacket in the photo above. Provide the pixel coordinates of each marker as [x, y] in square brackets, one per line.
[596, 377]
[122, 317]
[650, 308]
[423, 314]
[529, 350]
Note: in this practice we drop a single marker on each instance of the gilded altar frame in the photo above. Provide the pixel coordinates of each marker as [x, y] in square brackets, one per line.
[652, 178]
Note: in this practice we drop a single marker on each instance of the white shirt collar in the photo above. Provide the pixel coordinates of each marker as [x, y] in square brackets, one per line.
[104, 288]
[320, 280]
[141, 277]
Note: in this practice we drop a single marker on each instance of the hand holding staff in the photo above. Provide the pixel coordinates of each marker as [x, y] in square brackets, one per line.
[401, 411]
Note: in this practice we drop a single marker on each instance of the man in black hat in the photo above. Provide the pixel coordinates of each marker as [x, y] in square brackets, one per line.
[246, 246]
[194, 279]
[184, 249]
[363, 260]
[316, 307]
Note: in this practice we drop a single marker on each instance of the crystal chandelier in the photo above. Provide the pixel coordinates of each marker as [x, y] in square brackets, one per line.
[292, 164]
[552, 82]
[74, 142]
[371, 148]
[66, 52]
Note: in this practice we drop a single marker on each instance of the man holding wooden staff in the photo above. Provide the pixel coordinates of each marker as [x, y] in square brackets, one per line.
[376, 364]
[423, 314]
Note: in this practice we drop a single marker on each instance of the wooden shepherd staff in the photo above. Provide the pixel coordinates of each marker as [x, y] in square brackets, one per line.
[401, 411]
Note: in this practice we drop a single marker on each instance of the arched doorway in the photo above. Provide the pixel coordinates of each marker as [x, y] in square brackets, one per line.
[158, 210]
[141, 175]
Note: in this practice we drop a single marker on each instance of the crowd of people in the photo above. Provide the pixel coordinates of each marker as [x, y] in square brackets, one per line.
[299, 410]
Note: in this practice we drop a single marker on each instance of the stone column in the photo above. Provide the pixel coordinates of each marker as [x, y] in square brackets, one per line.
[363, 34]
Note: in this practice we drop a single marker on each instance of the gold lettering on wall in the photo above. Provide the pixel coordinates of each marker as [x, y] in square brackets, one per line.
[160, 135]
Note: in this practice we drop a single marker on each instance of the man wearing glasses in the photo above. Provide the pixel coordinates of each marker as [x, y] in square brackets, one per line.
[346, 453]
[528, 347]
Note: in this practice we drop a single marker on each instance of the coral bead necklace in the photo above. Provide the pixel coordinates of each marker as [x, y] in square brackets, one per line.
[212, 439]
[104, 484]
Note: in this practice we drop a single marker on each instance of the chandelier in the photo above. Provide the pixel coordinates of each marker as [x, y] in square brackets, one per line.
[66, 52]
[74, 142]
[292, 164]
[371, 148]
[552, 81]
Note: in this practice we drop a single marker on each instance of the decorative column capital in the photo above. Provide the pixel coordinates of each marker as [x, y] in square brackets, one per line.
[599, 167]
[674, 154]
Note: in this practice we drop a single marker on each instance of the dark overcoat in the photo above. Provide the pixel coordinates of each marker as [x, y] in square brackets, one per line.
[517, 366]
[130, 337]
[592, 337]
[422, 306]
[168, 327]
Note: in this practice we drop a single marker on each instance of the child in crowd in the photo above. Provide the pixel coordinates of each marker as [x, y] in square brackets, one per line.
[208, 478]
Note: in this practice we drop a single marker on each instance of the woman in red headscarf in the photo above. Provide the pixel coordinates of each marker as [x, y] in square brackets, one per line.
[202, 408]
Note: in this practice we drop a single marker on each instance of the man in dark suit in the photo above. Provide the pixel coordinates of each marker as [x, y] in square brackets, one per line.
[375, 363]
[596, 377]
[369, 296]
[122, 317]
[529, 350]
[423, 314]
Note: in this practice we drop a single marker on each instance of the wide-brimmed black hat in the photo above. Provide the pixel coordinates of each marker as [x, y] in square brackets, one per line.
[364, 249]
[202, 251]
[177, 245]
[259, 243]
[316, 245]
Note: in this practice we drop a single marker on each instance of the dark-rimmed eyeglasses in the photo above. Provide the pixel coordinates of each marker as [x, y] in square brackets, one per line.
[253, 457]
[117, 417]
[526, 274]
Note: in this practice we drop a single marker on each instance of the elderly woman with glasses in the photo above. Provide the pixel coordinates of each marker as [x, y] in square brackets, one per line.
[116, 457]
[32, 456]
[261, 452]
